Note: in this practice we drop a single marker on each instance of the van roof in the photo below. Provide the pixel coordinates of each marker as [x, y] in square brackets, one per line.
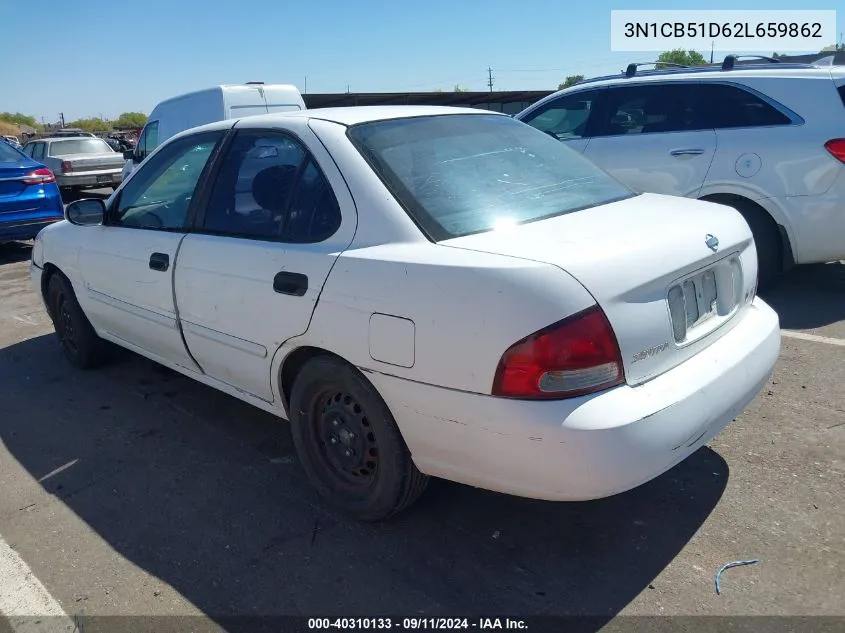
[224, 87]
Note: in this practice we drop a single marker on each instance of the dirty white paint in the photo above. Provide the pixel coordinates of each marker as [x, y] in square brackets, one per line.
[813, 337]
[24, 601]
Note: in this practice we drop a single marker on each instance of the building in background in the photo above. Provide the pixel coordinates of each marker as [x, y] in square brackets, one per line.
[510, 102]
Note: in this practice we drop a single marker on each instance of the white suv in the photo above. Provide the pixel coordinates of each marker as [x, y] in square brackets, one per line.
[765, 138]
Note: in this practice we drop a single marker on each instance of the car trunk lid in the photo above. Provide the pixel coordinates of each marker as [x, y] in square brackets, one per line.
[670, 273]
[93, 162]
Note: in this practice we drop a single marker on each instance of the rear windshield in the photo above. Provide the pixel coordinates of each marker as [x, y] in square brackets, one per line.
[462, 174]
[79, 146]
[8, 154]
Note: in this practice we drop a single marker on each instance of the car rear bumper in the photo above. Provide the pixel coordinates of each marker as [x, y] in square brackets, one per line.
[90, 179]
[590, 447]
[24, 229]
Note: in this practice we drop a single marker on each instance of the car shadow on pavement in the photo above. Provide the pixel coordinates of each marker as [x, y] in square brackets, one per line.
[14, 252]
[809, 297]
[204, 492]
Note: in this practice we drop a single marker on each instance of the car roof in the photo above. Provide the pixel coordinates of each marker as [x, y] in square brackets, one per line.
[737, 73]
[351, 115]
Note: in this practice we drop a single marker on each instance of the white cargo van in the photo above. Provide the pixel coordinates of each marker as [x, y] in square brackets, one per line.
[231, 101]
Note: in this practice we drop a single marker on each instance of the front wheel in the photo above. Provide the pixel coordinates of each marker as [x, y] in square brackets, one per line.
[80, 343]
[349, 444]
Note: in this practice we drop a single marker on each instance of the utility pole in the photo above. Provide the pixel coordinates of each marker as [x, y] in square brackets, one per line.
[347, 88]
[306, 85]
[490, 78]
[712, 46]
[62, 117]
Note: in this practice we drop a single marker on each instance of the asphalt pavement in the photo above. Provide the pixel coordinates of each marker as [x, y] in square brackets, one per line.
[134, 491]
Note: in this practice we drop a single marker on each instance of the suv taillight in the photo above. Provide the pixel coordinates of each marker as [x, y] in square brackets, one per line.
[573, 357]
[40, 176]
[837, 148]
[67, 166]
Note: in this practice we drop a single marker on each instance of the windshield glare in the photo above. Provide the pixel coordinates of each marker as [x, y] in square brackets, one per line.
[79, 146]
[461, 174]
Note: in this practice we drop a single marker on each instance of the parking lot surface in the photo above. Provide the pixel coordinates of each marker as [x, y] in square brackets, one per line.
[134, 491]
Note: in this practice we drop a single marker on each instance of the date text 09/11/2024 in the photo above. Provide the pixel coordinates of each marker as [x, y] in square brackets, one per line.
[681, 30]
[416, 624]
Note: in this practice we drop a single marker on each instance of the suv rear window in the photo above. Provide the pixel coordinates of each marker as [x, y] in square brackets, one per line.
[459, 174]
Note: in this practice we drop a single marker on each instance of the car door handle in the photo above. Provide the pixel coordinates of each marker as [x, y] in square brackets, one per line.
[160, 261]
[686, 152]
[295, 284]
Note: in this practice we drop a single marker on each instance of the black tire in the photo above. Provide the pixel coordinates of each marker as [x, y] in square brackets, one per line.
[334, 410]
[767, 238]
[79, 343]
[767, 241]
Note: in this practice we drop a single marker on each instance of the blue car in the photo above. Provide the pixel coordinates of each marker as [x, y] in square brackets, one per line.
[29, 196]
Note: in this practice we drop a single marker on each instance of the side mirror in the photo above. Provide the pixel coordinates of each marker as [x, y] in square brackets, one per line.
[128, 154]
[87, 212]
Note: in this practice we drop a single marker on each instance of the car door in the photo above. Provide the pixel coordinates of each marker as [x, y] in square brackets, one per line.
[650, 137]
[566, 118]
[127, 264]
[249, 275]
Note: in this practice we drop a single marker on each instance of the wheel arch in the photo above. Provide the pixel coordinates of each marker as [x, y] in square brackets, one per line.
[292, 364]
[778, 222]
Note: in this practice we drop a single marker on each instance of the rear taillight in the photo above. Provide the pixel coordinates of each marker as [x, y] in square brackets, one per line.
[67, 166]
[573, 357]
[837, 148]
[40, 176]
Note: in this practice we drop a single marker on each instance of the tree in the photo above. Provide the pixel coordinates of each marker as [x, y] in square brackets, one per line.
[131, 119]
[571, 80]
[459, 88]
[91, 125]
[680, 56]
[18, 119]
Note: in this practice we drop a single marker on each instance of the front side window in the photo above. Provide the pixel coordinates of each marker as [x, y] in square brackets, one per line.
[647, 109]
[566, 117]
[269, 187]
[79, 146]
[467, 173]
[159, 195]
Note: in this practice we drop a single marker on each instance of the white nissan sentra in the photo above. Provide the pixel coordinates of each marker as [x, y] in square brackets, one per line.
[422, 292]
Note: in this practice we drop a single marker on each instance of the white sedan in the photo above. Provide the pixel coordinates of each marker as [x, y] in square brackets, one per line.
[422, 292]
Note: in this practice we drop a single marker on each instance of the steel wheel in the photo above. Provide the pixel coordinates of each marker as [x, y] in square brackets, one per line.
[348, 442]
[345, 443]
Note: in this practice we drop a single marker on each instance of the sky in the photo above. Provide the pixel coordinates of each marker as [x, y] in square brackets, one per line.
[97, 58]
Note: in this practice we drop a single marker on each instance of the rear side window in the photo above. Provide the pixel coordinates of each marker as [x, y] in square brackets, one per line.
[269, 187]
[647, 109]
[79, 146]
[38, 151]
[722, 106]
[8, 154]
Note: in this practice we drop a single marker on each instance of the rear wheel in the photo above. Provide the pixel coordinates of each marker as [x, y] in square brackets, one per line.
[348, 442]
[80, 343]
